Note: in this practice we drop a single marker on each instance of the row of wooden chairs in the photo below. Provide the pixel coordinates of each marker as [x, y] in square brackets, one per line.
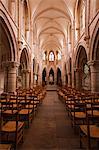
[83, 110]
[17, 112]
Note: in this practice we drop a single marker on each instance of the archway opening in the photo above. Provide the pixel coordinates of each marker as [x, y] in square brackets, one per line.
[95, 54]
[23, 70]
[44, 82]
[82, 70]
[51, 76]
[59, 80]
[7, 54]
[94, 65]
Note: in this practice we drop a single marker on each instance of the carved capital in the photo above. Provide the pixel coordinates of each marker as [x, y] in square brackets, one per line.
[20, 44]
[10, 64]
[93, 63]
[86, 38]
[26, 71]
[77, 69]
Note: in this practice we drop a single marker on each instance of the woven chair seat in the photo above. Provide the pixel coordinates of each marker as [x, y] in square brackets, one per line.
[31, 106]
[25, 111]
[5, 146]
[71, 106]
[95, 112]
[94, 130]
[10, 126]
[9, 111]
[35, 102]
[79, 114]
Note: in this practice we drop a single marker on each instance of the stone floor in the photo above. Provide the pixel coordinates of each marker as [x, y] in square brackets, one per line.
[51, 128]
[51, 87]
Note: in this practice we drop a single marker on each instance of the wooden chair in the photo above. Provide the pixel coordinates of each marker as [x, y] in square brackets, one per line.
[11, 129]
[34, 103]
[89, 132]
[5, 146]
[26, 111]
[78, 113]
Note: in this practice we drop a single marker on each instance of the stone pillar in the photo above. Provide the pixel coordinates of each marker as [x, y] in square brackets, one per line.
[40, 79]
[78, 78]
[64, 79]
[25, 78]
[31, 76]
[73, 77]
[94, 69]
[34, 79]
[73, 40]
[10, 69]
[69, 79]
[22, 17]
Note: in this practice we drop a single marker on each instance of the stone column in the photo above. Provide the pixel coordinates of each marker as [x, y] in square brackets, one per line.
[34, 80]
[10, 69]
[87, 14]
[73, 78]
[22, 17]
[23, 79]
[26, 75]
[27, 78]
[94, 69]
[69, 79]
[40, 79]
[72, 47]
[78, 78]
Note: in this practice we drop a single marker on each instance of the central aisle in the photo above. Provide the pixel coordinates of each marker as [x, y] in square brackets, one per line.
[51, 128]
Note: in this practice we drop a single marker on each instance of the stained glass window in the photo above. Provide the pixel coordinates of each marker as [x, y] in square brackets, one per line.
[51, 56]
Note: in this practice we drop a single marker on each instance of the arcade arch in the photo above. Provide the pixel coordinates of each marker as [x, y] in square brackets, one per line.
[82, 71]
[94, 59]
[8, 64]
[23, 70]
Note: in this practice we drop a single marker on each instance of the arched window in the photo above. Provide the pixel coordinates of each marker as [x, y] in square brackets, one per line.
[59, 56]
[51, 56]
[86, 69]
[45, 56]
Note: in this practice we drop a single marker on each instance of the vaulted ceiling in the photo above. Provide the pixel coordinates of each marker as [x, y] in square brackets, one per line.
[51, 22]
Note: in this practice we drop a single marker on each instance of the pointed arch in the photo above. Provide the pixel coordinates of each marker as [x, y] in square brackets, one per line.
[82, 70]
[51, 76]
[94, 43]
[59, 80]
[24, 59]
[44, 76]
[5, 26]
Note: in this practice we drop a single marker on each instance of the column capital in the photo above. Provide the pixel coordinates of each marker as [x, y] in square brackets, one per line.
[69, 73]
[22, 1]
[77, 69]
[93, 63]
[26, 71]
[10, 64]
[20, 44]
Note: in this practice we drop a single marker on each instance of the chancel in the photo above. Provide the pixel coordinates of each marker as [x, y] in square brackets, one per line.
[49, 74]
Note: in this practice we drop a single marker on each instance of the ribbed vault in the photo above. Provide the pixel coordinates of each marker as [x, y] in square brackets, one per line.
[51, 21]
